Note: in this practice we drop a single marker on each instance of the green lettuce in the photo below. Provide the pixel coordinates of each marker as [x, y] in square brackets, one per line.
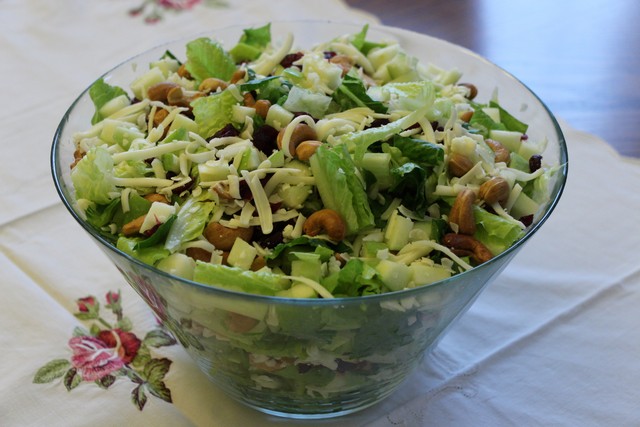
[496, 233]
[340, 187]
[510, 122]
[238, 279]
[356, 278]
[92, 176]
[207, 58]
[149, 255]
[101, 93]
[213, 112]
[189, 224]
[352, 94]
[251, 44]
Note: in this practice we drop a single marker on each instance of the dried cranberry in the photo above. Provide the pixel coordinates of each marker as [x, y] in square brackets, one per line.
[378, 122]
[535, 162]
[329, 54]
[289, 59]
[265, 139]
[227, 130]
[527, 220]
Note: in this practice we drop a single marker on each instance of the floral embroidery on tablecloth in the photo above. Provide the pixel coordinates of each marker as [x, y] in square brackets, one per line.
[154, 10]
[107, 352]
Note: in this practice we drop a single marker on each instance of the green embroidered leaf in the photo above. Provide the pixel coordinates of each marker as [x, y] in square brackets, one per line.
[155, 370]
[141, 359]
[124, 324]
[86, 315]
[80, 332]
[51, 371]
[160, 391]
[106, 381]
[158, 338]
[72, 379]
[139, 397]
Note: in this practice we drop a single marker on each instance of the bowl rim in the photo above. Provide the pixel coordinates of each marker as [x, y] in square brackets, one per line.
[556, 192]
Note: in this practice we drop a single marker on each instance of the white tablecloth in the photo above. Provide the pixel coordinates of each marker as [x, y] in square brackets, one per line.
[553, 341]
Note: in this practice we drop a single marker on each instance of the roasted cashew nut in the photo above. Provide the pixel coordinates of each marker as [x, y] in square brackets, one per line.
[325, 221]
[306, 149]
[301, 132]
[501, 152]
[182, 98]
[160, 91]
[463, 245]
[212, 84]
[461, 213]
[223, 237]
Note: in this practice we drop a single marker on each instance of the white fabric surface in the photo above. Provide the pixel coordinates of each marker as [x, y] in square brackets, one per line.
[553, 341]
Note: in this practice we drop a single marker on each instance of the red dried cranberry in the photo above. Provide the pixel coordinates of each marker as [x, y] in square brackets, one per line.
[527, 220]
[535, 162]
[329, 54]
[289, 59]
[265, 139]
[227, 130]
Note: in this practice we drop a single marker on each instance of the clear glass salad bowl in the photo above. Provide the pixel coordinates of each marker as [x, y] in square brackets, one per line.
[314, 358]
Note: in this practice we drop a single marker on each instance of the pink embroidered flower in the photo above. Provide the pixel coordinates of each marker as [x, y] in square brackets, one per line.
[93, 358]
[178, 4]
[113, 297]
[125, 343]
[86, 304]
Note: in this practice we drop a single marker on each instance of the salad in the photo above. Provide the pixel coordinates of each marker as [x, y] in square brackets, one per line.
[341, 170]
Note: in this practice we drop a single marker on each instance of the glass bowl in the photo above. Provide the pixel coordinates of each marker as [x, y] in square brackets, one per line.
[314, 358]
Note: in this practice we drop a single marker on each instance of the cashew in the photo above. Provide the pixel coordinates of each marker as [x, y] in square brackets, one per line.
[258, 263]
[466, 116]
[133, 227]
[473, 90]
[159, 117]
[501, 152]
[301, 132]
[495, 190]
[459, 164]
[212, 84]
[199, 254]
[262, 107]
[325, 221]
[182, 98]
[249, 100]
[223, 237]
[461, 212]
[237, 75]
[463, 245]
[306, 149]
[343, 61]
[159, 91]
[78, 154]
[183, 72]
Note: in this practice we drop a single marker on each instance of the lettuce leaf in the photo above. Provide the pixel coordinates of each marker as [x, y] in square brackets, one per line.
[483, 123]
[354, 279]
[251, 44]
[510, 122]
[150, 255]
[352, 94]
[101, 93]
[92, 176]
[189, 224]
[419, 151]
[207, 58]
[238, 279]
[341, 188]
[213, 112]
[495, 232]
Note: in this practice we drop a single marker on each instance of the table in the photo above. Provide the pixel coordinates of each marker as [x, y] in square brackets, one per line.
[553, 341]
[580, 57]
